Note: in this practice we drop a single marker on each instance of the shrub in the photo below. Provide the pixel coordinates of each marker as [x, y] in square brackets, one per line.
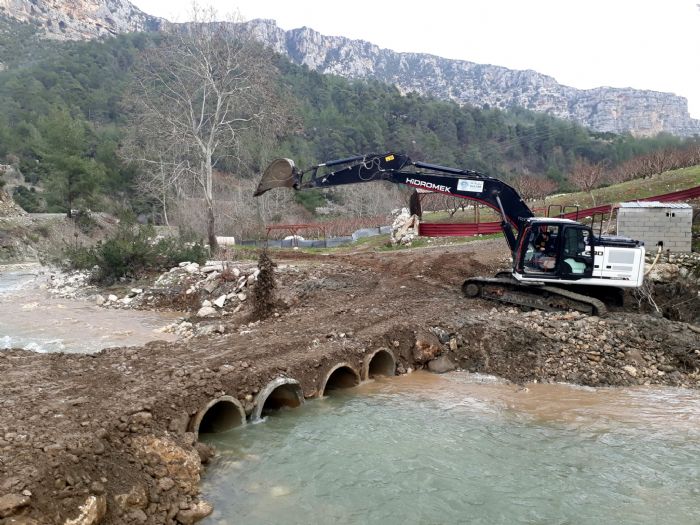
[85, 222]
[132, 252]
[28, 199]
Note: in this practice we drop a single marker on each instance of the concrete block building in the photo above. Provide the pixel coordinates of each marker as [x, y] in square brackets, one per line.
[653, 222]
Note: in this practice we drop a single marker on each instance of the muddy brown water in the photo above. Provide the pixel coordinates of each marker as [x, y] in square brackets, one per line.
[463, 448]
[32, 319]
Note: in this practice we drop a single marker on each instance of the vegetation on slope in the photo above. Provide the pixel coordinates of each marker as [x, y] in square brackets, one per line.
[62, 122]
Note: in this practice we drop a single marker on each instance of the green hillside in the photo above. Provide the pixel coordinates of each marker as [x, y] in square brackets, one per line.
[63, 122]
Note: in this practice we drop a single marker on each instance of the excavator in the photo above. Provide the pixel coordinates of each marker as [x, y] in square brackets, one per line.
[558, 264]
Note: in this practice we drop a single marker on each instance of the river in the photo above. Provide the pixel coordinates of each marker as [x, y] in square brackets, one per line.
[31, 318]
[463, 448]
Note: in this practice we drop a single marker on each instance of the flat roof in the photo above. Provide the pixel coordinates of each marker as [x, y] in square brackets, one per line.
[654, 204]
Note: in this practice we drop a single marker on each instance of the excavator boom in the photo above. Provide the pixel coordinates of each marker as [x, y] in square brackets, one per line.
[400, 169]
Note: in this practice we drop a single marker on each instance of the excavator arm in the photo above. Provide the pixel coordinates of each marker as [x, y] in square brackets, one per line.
[400, 169]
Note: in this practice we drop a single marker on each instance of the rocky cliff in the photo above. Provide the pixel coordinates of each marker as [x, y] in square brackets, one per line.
[80, 19]
[616, 110]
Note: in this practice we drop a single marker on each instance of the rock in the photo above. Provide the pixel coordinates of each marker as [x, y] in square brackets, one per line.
[178, 424]
[136, 498]
[112, 298]
[220, 301]
[165, 484]
[209, 268]
[195, 513]
[211, 329]
[442, 334]
[404, 228]
[427, 346]
[206, 303]
[442, 364]
[184, 263]
[241, 296]
[138, 516]
[100, 300]
[92, 511]
[212, 285]
[182, 465]
[630, 370]
[634, 356]
[12, 503]
[206, 311]
[192, 268]
[205, 452]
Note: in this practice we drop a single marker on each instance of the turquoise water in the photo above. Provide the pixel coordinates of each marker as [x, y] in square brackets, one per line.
[459, 448]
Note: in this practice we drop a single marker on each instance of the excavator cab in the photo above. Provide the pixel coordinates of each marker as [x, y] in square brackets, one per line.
[554, 249]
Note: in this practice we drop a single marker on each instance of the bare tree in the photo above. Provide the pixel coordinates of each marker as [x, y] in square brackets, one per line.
[162, 172]
[587, 176]
[370, 200]
[195, 96]
[531, 187]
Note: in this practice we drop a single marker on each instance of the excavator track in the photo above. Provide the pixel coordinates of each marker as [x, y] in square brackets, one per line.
[541, 297]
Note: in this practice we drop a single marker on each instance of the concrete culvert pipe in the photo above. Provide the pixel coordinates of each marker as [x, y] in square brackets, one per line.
[219, 415]
[340, 376]
[279, 393]
[379, 363]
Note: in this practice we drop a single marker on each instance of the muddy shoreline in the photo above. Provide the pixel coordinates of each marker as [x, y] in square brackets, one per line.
[107, 437]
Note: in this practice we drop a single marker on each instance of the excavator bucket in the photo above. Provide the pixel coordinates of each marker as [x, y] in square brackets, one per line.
[279, 174]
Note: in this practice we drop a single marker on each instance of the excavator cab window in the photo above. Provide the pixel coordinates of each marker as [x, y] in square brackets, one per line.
[577, 253]
[541, 252]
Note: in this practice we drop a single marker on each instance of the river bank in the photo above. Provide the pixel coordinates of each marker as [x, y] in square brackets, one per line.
[112, 436]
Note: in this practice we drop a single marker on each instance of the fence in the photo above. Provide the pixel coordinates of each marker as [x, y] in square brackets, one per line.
[484, 228]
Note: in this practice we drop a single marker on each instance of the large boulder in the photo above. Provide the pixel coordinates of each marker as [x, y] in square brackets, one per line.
[426, 347]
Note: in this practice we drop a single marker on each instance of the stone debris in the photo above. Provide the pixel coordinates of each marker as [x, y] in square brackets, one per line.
[404, 228]
[217, 284]
[674, 266]
[574, 348]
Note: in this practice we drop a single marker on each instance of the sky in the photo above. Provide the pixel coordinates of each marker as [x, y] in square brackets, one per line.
[643, 44]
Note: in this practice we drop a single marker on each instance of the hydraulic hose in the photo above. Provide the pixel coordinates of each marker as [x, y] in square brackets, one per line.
[658, 254]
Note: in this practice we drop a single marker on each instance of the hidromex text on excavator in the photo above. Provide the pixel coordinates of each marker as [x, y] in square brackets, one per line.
[558, 264]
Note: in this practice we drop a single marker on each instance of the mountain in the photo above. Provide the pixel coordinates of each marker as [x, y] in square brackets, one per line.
[81, 19]
[605, 109]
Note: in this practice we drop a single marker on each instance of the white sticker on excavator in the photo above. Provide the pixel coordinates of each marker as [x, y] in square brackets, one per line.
[476, 186]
